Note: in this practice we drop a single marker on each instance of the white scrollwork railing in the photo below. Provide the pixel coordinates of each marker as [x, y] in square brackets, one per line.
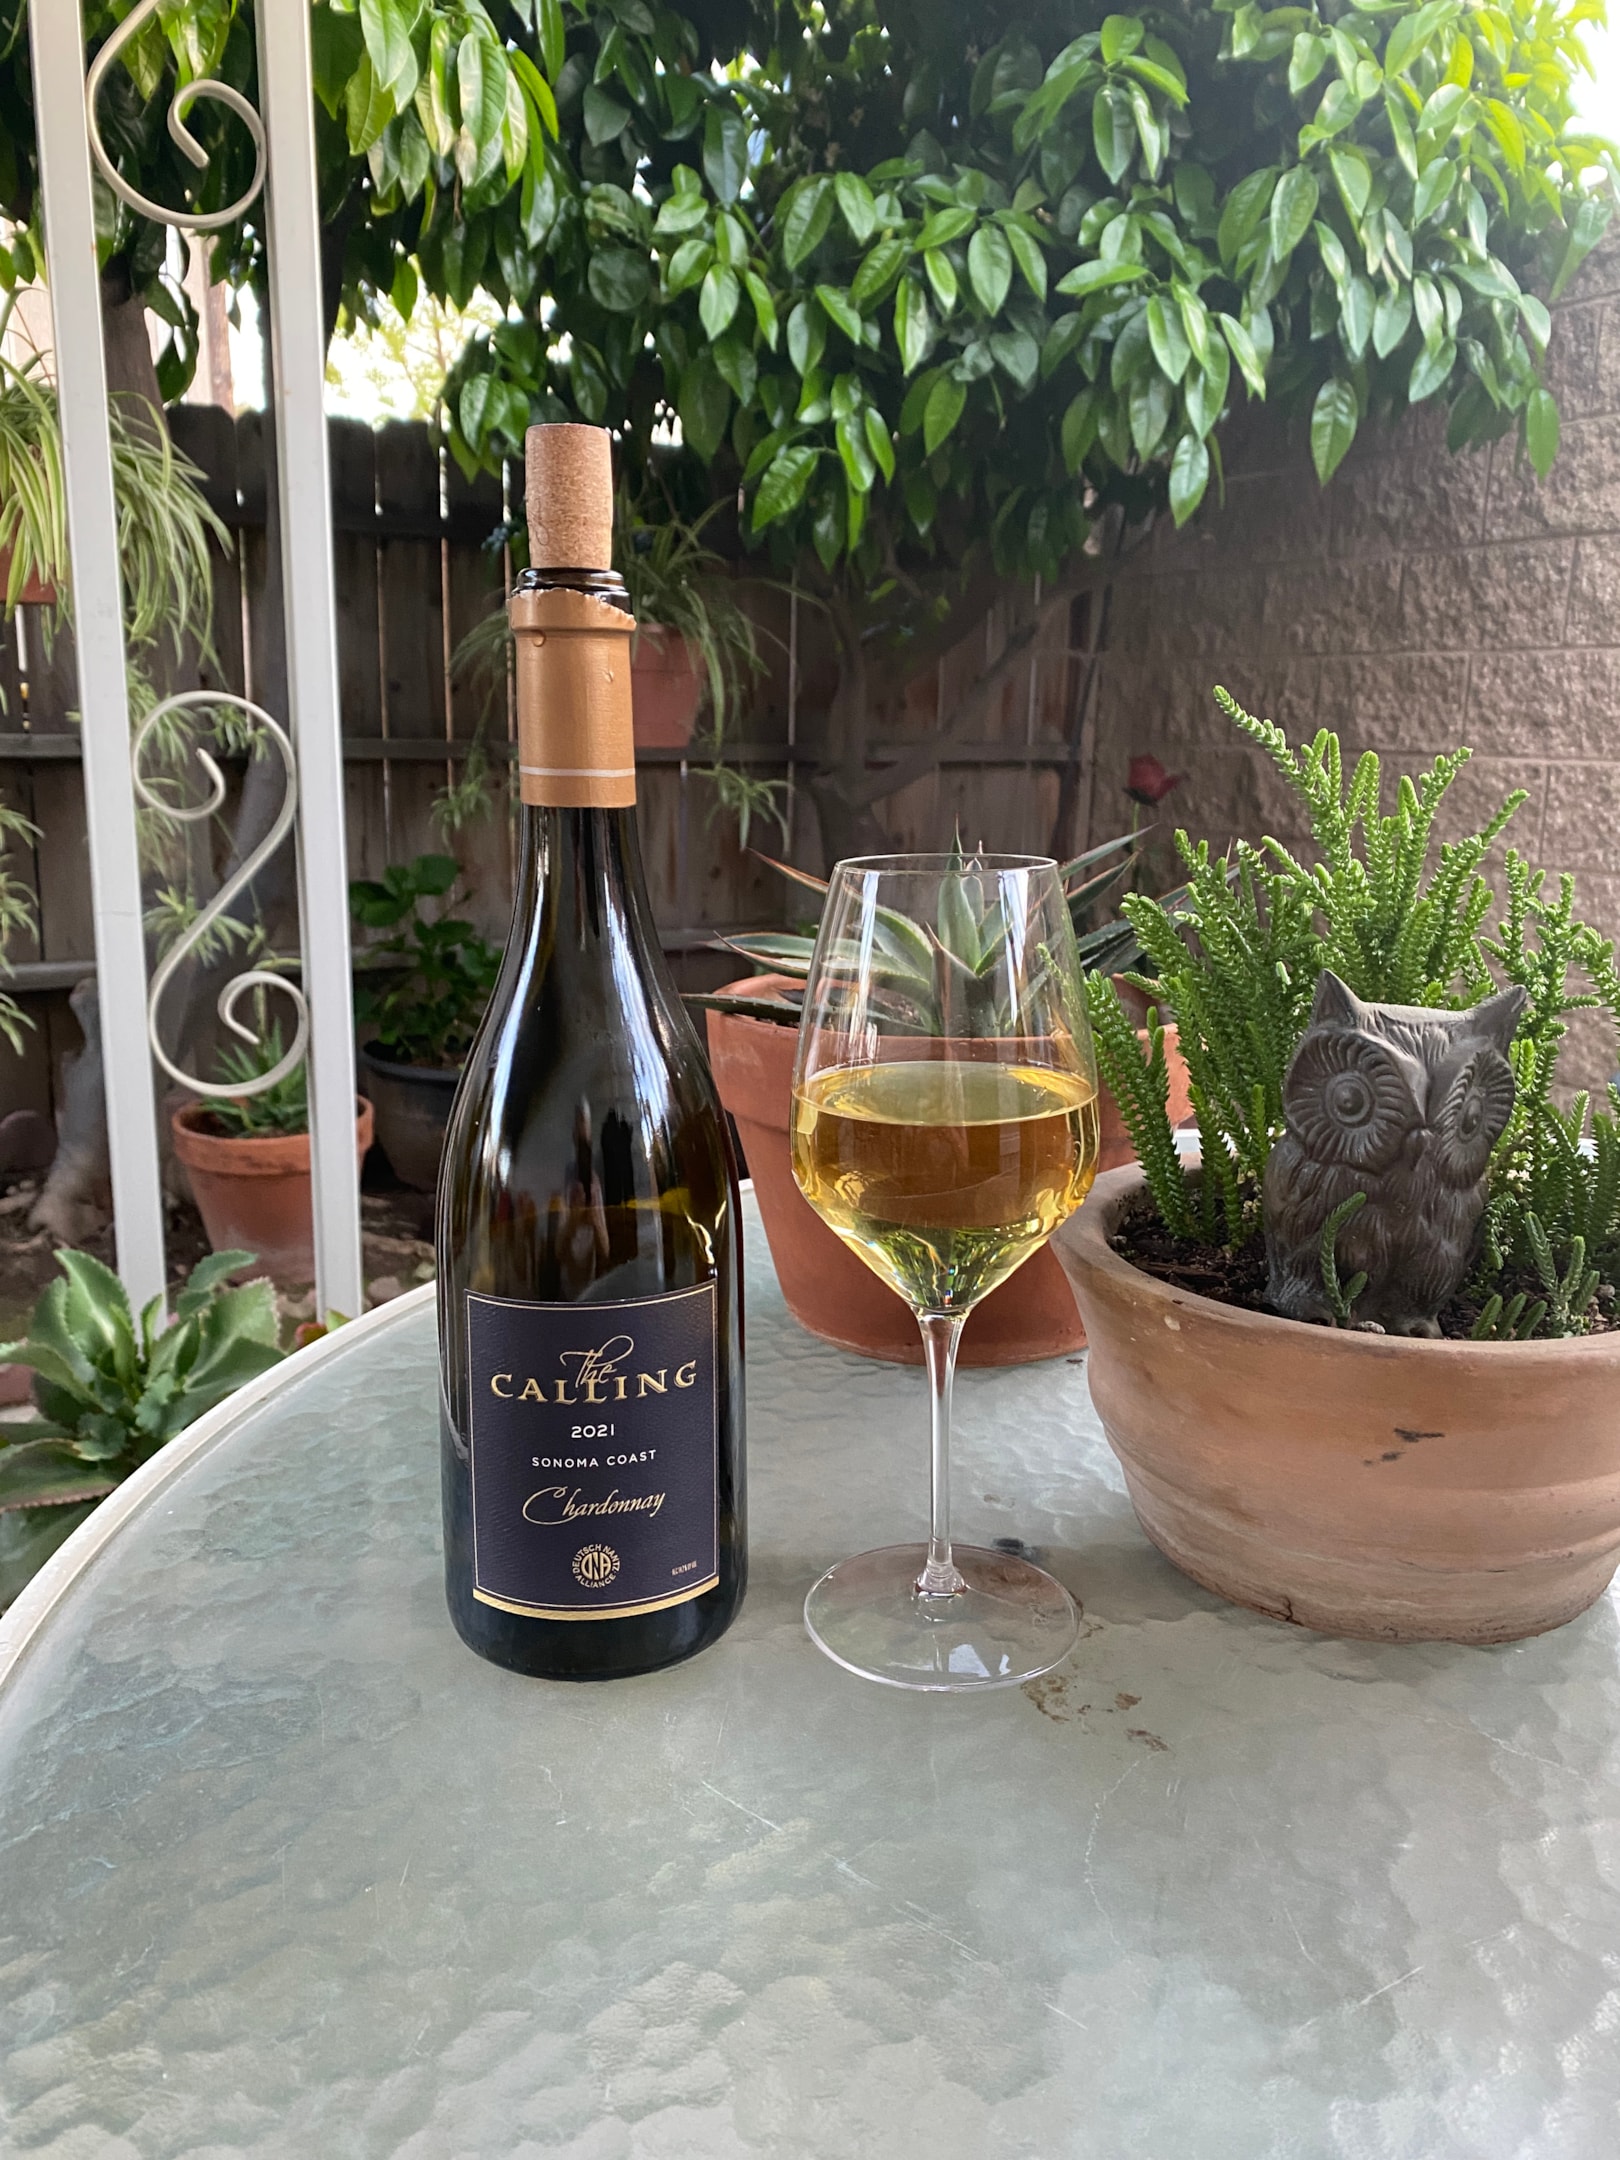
[179, 105]
[197, 931]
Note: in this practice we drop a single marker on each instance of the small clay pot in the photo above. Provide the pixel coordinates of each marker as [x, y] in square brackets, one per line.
[412, 1103]
[1370, 1485]
[36, 591]
[666, 688]
[254, 1192]
[828, 1289]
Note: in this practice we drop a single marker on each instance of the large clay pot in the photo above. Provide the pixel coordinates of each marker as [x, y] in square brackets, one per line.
[255, 1192]
[830, 1291]
[666, 688]
[412, 1103]
[1370, 1485]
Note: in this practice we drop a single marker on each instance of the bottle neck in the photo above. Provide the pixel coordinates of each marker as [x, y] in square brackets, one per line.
[572, 630]
[579, 872]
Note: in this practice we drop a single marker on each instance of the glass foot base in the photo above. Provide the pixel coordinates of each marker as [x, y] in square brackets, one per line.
[1009, 1622]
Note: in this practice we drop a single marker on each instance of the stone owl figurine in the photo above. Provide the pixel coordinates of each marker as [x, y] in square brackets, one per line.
[1405, 1104]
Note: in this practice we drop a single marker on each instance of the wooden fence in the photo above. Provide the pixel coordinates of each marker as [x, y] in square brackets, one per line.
[416, 571]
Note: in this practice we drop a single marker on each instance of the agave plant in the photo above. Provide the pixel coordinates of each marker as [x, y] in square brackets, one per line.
[940, 977]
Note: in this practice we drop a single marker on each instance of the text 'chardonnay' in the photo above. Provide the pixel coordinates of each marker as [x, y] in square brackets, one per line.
[590, 1307]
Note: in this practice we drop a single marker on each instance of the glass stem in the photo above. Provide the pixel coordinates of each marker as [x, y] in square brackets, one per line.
[941, 1332]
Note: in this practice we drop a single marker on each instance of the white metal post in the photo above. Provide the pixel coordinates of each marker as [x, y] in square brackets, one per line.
[298, 346]
[57, 45]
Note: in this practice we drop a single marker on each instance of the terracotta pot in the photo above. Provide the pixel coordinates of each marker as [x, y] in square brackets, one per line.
[36, 592]
[1378, 1486]
[830, 1291]
[412, 1103]
[666, 688]
[255, 1192]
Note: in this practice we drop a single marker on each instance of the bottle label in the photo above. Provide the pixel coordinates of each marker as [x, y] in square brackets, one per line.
[594, 1438]
[576, 728]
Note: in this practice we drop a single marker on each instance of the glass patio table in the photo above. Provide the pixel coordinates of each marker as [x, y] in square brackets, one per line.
[285, 1871]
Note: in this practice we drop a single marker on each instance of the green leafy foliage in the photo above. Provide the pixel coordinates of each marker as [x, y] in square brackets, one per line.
[1403, 920]
[110, 1391]
[438, 972]
[1341, 1296]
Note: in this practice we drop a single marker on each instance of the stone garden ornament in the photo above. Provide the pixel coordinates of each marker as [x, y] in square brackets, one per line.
[1403, 1104]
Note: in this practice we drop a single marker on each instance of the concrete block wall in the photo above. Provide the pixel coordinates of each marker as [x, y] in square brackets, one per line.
[1420, 601]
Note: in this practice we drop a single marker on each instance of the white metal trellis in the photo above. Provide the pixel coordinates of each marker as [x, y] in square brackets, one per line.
[284, 141]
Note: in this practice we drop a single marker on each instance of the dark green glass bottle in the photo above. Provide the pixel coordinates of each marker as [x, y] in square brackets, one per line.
[590, 1308]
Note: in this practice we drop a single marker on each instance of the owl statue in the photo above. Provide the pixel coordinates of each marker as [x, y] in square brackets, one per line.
[1405, 1104]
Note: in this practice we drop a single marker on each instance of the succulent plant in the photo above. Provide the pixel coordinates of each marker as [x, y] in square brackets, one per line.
[940, 976]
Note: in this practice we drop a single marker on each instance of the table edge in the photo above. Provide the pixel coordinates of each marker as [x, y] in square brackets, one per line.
[22, 1624]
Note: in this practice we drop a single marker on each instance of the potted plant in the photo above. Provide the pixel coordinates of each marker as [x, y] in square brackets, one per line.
[422, 1013]
[693, 642]
[247, 1157]
[110, 1392]
[753, 1031]
[1286, 1442]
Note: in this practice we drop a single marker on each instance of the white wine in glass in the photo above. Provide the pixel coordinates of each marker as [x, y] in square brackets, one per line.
[944, 1124]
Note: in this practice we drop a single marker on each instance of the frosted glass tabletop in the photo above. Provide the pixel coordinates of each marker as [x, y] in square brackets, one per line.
[285, 1871]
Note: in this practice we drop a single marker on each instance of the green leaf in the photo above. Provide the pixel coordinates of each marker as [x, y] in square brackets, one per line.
[837, 307]
[782, 489]
[1167, 337]
[1400, 128]
[941, 277]
[619, 280]
[913, 324]
[879, 268]
[859, 467]
[1079, 429]
[1391, 319]
[553, 36]
[856, 202]
[806, 336]
[1150, 402]
[717, 302]
[1353, 176]
[1334, 418]
[1413, 33]
[945, 225]
[605, 118]
[879, 441]
[1204, 390]
[1431, 369]
[725, 152]
[1092, 277]
[368, 107]
[1586, 229]
[990, 267]
[1189, 476]
[1121, 34]
[1540, 438]
[48, 1473]
[688, 265]
[764, 307]
[806, 219]
[1356, 315]
[1029, 258]
[1293, 206]
[1017, 354]
[704, 405]
[1113, 131]
[1243, 351]
[386, 27]
[1242, 212]
[1434, 185]
[943, 410]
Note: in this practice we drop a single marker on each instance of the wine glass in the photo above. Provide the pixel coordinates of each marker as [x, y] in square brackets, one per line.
[944, 1124]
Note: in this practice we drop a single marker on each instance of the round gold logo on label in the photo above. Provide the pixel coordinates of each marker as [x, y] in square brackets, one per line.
[595, 1566]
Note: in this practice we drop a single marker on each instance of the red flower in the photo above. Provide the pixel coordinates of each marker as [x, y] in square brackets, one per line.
[1148, 783]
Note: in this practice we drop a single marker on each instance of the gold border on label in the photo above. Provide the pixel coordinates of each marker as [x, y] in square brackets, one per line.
[596, 1612]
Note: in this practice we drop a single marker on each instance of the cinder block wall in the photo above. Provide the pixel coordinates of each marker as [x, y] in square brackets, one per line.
[1421, 600]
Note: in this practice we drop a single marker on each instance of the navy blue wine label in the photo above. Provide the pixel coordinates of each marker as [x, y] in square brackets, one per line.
[594, 1454]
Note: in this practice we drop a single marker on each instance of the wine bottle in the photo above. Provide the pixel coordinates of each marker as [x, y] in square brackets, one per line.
[590, 1306]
